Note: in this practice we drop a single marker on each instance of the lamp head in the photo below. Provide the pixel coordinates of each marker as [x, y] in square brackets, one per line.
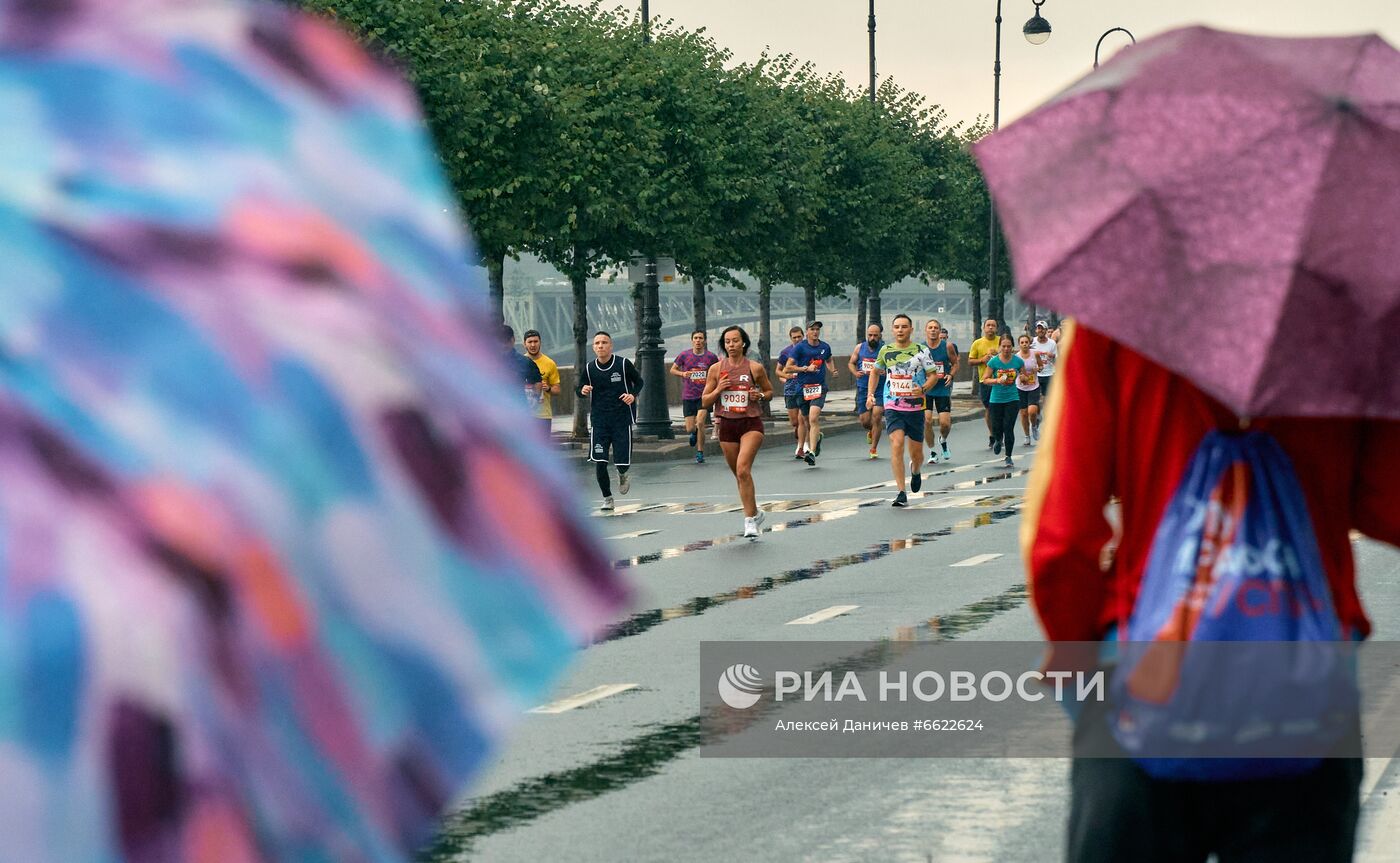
[1037, 30]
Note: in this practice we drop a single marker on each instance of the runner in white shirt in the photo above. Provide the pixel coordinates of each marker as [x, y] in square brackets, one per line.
[1047, 351]
[1028, 390]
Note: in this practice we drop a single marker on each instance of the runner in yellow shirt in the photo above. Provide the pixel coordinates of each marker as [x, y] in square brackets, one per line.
[549, 374]
[981, 351]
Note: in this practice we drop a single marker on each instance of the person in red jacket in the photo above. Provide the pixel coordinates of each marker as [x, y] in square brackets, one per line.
[1122, 427]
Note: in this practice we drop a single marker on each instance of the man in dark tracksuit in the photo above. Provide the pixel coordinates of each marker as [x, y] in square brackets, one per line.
[612, 383]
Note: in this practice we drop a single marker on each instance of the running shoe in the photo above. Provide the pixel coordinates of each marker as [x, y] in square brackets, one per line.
[933, 458]
[901, 499]
[873, 455]
[1029, 443]
[991, 442]
[624, 482]
[810, 459]
[758, 519]
[607, 505]
[692, 438]
[818, 450]
[1008, 462]
[1035, 434]
[947, 456]
[750, 526]
[996, 448]
[916, 482]
[699, 457]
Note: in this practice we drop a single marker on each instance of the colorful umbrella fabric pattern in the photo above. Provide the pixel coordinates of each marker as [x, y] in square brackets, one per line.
[268, 590]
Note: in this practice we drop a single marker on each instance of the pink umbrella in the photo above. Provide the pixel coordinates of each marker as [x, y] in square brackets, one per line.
[1227, 205]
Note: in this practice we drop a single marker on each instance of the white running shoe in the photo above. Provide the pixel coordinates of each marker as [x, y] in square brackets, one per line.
[1028, 444]
[758, 519]
[607, 505]
[933, 458]
[624, 483]
[750, 526]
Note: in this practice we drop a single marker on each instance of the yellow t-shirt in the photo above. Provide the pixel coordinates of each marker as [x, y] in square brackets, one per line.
[984, 348]
[549, 372]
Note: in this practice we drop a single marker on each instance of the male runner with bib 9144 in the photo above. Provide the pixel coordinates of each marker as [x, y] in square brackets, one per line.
[904, 367]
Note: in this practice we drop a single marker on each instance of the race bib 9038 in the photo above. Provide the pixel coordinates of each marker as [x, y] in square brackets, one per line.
[734, 400]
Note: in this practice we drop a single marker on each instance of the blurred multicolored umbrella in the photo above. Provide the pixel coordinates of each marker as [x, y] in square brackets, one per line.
[1227, 205]
[282, 554]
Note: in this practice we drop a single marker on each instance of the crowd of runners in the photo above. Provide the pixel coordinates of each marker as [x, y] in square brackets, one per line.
[903, 396]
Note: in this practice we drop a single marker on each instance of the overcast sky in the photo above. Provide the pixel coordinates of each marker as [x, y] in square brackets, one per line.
[943, 48]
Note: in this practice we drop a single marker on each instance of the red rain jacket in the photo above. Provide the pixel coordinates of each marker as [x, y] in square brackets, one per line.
[1120, 425]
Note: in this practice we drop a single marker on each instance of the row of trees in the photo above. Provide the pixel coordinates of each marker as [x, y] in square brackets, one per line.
[564, 135]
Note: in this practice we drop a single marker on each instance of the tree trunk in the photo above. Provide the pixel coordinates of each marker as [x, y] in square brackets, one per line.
[862, 296]
[637, 318]
[976, 312]
[496, 277]
[875, 308]
[997, 310]
[697, 298]
[765, 338]
[810, 297]
[582, 353]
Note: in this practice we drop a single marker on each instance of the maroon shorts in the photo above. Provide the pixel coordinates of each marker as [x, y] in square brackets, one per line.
[733, 429]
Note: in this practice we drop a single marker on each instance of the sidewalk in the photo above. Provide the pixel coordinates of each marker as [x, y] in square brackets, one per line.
[838, 416]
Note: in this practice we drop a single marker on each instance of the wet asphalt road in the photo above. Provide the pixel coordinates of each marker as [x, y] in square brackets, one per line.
[619, 778]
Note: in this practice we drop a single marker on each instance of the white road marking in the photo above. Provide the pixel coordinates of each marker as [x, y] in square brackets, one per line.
[597, 693]
[824, 614]
[954, 501]
[977, 559]
[634, 534]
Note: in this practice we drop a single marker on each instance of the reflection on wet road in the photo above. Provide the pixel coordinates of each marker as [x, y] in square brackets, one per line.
[646, 754]
[647, 620]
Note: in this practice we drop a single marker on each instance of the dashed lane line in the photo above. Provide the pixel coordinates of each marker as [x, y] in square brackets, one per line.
[977, 560]
[824, 614]
[597, 693]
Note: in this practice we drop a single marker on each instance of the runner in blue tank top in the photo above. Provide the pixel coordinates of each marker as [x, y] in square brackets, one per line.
[862, 364]
[940, 398]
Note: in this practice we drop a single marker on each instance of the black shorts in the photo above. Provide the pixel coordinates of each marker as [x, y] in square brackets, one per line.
[1028, 398]
[820, 401]
[733, 429]
[1045, 384]
[793, 401]
[909, 422]
[610, 439]
[861, 396]
[986, 396]
[690, 407]
[940, 404]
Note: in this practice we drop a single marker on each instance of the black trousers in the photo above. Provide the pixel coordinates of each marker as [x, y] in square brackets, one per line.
[1004, 416]
[1118, 812]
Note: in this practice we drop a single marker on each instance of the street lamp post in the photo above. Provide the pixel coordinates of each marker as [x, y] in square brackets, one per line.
[654, 417]
[1099, 44]
[862, 292]
[1036, 31]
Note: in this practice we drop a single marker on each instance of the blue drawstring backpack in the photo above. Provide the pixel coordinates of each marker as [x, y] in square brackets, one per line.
[1230, 660]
